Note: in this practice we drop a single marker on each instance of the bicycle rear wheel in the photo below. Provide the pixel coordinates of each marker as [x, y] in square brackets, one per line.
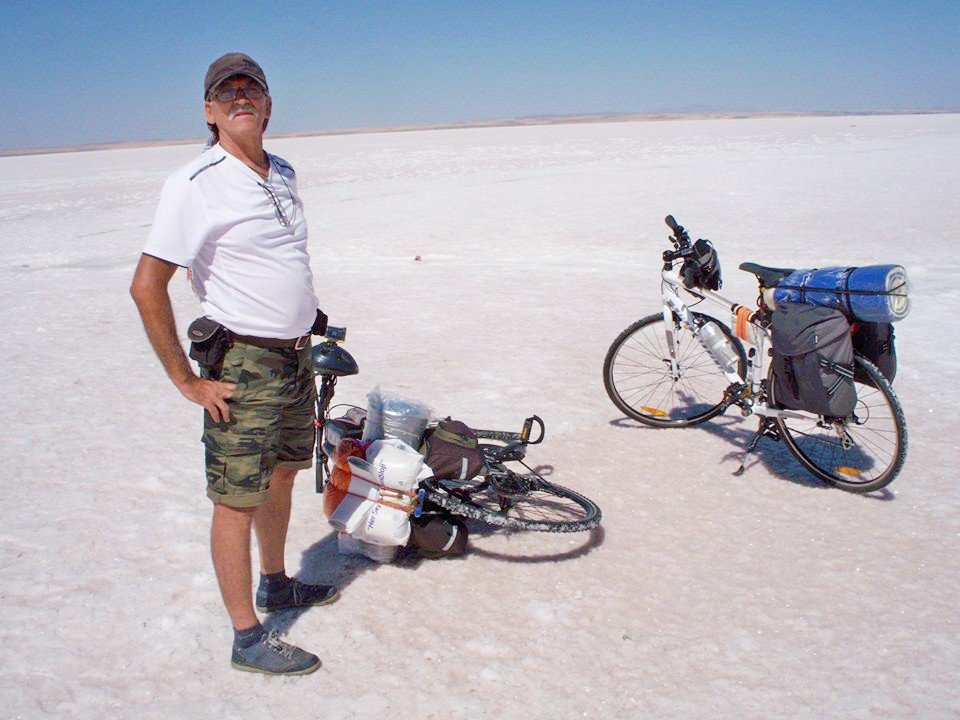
[519, 502]
[638, 378]
[875, 436]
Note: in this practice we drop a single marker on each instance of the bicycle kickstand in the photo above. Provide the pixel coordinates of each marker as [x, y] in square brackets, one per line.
[767, 427]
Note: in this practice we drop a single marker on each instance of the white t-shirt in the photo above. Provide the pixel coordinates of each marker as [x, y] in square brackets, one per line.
[245, 240]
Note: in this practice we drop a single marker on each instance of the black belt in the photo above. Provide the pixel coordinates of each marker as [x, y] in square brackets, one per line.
[297, 343]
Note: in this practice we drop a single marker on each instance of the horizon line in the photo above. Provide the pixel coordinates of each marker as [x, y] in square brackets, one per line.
[523, 121]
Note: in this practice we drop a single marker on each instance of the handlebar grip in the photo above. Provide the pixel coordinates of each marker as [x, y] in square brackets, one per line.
[671, 223]
[528, 427]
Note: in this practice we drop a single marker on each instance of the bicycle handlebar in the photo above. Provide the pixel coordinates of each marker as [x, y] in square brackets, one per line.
[680, 239]
[516, 447]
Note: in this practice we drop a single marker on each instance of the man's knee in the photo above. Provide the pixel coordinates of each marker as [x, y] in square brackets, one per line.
[283, 475]
[227, 515]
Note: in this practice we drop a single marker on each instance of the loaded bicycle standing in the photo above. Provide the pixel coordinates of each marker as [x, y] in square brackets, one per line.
[818, 372]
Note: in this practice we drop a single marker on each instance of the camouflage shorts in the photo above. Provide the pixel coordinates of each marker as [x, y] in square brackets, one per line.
[271, 422]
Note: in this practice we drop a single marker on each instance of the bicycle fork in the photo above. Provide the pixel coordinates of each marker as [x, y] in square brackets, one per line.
[670, 323]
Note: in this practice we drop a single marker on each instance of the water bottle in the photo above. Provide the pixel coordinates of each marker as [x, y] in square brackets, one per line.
[720, 348]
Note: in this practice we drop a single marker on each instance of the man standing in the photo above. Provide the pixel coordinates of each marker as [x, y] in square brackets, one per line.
[233, 216]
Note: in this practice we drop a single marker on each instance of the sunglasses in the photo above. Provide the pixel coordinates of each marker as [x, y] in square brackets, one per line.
[278, 206]
[251, 92]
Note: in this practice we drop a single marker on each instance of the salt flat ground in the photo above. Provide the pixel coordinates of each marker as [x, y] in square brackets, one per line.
[704, 596]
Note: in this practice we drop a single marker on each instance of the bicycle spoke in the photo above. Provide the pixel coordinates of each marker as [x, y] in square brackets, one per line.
[638, 375]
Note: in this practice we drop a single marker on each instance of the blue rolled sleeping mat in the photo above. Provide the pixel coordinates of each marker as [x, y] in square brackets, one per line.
[872, 293]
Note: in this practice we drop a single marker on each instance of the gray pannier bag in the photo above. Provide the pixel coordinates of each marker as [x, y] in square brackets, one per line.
[813, 360]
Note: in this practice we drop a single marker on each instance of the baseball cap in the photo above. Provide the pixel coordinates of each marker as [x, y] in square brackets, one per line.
[229, 65]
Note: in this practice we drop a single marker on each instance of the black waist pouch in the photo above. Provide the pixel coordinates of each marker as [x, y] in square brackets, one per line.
[320, 323]
[208, 341]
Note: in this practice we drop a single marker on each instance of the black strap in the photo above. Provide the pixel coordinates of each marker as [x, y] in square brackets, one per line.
[845, 279]
[803, 289]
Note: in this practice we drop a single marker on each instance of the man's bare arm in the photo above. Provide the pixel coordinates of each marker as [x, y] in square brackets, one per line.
[150, 292]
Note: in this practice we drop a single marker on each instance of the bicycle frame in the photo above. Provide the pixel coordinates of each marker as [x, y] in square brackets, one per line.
[753, 398]
[330, 362]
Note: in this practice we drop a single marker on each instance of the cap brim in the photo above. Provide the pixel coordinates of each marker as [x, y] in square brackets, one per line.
[231, 74]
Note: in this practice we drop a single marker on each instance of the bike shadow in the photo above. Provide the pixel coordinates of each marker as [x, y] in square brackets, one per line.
[592, 539]
[775, 457]
[322, 562]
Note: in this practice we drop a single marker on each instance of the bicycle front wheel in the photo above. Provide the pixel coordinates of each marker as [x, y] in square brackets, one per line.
[860, 453]
[518, 502]
[638, 377]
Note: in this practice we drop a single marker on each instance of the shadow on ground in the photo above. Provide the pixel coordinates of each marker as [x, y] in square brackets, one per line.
[323, 563]
[776, 458]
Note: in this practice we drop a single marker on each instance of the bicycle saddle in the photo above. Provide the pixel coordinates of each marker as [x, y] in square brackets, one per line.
[768, 276]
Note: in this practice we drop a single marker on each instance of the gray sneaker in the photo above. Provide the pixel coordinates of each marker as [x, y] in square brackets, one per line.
[273, 656]
[296, 594]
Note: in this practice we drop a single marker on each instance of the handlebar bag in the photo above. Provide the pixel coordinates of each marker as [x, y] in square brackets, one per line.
[813, 360]
[452, 452]
[875, 342]
[347, 426]
[702, 269]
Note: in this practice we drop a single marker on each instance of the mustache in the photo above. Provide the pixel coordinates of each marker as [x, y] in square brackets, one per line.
[246, 107]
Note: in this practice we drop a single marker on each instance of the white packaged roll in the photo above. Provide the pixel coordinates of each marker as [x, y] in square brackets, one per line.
[384, 525]
[394, 464]
[351, 511]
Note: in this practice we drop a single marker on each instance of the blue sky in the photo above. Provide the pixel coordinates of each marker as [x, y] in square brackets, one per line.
[84, 72]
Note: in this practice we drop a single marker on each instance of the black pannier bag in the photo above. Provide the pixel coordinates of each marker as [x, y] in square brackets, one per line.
[813, 360]
[703, 269]
[440, 535]
[875, 342]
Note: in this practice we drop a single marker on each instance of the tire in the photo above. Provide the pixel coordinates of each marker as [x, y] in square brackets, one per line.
[877, 428]
[636, 374]
[531, 504]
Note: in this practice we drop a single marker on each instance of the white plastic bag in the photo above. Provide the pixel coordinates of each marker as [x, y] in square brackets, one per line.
[382, 494]
[349, 545]
[391, 415]
[395, 467]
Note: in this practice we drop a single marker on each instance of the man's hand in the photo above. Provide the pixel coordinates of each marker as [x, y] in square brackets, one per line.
[211, 394]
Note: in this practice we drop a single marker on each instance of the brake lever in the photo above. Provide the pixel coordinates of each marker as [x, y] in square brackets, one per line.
[511, 452]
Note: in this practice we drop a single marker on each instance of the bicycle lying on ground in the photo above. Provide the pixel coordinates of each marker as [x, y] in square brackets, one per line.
[498, 495]
[663, 371]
